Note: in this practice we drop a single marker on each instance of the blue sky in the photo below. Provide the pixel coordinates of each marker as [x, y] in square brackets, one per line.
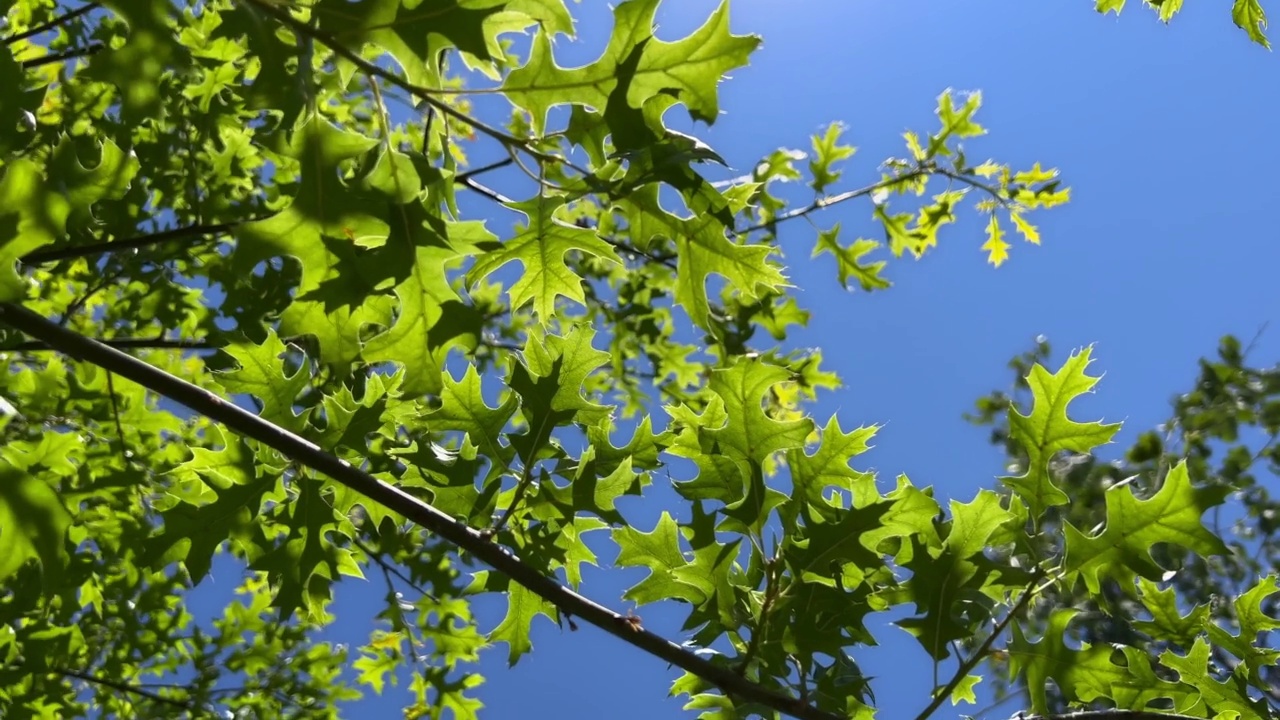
[1163, 133]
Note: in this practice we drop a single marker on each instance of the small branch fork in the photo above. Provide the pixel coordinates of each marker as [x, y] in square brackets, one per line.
[459, 534]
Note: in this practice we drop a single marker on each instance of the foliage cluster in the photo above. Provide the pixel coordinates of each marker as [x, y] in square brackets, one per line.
[232, 204]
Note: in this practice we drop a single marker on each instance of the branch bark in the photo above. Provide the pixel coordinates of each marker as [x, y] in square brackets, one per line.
[461, 535]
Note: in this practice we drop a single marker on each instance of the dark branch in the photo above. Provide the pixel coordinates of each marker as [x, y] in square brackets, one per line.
[665, 260]
[123, 344]
[142, 241]
[484, 190]
[461, 535]
[465, 176]
[90, 49]
[1106, 715]
[51, 24]
[123, 687]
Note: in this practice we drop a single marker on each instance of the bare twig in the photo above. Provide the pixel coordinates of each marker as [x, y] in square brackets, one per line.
[425, 515]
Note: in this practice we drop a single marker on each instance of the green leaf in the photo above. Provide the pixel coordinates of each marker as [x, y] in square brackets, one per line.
[541, 248]
[849, 259]
[417, 34]
[1048, 431]
[1122, 551]
[262, 374]
[963, 691]
[462, 407]
[220, 495]
[34, 210]
[750, 433]
[659, 551]
[1249, 16]
[703, 250]
[828, 467]
[305, 563]
[431, 318]
[33, 521]
[522, 607]
[827, 151]
[318, 228]
[1231, 695]
[688, 69]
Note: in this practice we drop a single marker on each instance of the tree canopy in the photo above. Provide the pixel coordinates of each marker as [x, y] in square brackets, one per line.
[246, 319]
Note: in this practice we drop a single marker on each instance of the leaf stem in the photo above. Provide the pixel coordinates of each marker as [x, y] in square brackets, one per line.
[425, 515]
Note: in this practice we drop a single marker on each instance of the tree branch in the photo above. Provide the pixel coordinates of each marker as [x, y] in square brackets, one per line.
[51, 24]
[1106, 715]
[123, 344]
[134, 243]
[123, 687]
[827, 201]
[461, 535]
[89, 49]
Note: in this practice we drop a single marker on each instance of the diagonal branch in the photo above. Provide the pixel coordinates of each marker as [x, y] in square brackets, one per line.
[50, 24]
[127, 343]
[123, 687]
[827, 201]
[459, 534]
[85, 51]
[141, 241]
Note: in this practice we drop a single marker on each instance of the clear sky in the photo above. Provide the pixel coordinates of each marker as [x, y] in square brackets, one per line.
[1165, 135]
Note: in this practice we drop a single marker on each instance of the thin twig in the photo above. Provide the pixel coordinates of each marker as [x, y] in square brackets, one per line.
[624, 247]
[466, 538]
[115, 415]
[50, 24]
[982, 650]
[526, 479]
[464, 176]
[392, 569]
[827, 201]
